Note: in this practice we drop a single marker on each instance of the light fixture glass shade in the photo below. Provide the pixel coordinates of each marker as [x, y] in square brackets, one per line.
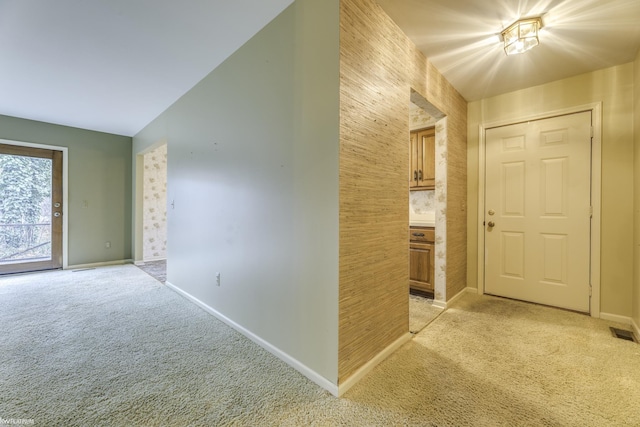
[521, 36]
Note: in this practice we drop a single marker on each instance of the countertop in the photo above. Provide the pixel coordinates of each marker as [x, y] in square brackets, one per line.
[424, 219]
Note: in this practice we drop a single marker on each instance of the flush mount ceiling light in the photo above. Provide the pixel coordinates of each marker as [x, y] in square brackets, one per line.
[521, 36]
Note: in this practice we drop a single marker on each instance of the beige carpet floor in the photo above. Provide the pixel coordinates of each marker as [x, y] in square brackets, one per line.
[114, 347]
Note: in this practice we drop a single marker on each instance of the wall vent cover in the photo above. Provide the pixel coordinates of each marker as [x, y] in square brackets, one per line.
[623, 334]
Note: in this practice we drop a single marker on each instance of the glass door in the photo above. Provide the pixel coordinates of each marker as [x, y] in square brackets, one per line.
[30, 209]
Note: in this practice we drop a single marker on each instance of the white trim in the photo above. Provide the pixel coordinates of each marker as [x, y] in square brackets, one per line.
[625, 320]
[296, 364]
[368, 367]
[439, 304]
[65, 190]
[160, 258]
[596, 201]
[99, 264]
[446, 304]
[636, 328]
[596, 196]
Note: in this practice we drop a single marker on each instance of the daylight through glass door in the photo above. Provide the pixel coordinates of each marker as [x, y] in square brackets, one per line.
[30, 209]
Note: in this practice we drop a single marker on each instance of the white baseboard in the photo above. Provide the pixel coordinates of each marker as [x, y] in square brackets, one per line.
[625, 320]
[367, 367]
[296, 364]
[99, 264]
[143, 261]
[439, 304]
[445, 304]
[636, 328]
[162, 258]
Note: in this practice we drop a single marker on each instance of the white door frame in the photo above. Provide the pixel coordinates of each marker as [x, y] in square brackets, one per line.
[65, 190]
[596, 183]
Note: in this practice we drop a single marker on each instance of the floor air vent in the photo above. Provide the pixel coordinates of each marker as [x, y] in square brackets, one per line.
[623, 335]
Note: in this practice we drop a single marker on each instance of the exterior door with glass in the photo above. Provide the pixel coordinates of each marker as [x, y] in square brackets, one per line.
[30, 209]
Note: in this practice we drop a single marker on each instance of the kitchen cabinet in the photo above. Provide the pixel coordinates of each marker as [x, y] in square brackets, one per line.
[423, 159]
[421, 260]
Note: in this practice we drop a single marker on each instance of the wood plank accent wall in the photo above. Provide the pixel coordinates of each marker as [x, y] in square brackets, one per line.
[378, 67]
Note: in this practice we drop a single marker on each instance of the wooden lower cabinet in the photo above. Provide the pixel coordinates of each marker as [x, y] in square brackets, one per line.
[421, 260]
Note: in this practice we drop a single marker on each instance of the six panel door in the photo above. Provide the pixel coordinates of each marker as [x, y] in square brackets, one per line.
[537, 218]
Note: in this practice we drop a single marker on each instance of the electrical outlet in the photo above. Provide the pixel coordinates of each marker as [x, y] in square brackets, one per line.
[107, 245]
[217, 279]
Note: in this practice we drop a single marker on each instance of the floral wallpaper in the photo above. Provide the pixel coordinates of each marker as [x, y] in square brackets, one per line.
[418, 118]
[422, 201]
[154, 204]
[440, 199]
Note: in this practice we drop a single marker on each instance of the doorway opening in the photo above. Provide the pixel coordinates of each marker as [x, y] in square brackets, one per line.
[427, 212]
[151, 210]
[32, 207]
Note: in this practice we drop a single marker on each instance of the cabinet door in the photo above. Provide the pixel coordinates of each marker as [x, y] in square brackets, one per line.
[421, 267]
[427, 160]
[422, 171]
[413, 166]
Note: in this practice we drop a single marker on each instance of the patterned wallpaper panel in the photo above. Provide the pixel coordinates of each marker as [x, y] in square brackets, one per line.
[418, 118]
[422, 201]
[154, 204]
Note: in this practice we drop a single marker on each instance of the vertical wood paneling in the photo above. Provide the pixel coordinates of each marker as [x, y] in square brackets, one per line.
[379, 66]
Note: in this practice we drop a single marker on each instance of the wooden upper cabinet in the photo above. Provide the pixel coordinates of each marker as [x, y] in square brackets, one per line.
[422, 174]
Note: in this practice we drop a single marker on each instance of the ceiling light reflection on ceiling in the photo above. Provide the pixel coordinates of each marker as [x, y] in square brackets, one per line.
[521, 36]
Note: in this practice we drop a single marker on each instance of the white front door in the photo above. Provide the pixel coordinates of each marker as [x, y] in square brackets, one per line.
[537, 211]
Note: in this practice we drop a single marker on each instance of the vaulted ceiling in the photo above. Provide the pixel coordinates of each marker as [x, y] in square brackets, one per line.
[115, 65]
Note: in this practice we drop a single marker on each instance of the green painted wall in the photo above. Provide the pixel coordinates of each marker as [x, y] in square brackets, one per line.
[100, 174]
[253, 170]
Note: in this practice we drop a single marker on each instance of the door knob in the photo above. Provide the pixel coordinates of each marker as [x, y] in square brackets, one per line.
[491, 224]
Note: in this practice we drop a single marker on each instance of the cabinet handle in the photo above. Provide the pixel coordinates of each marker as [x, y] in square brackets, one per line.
[415, 175]
[420, 175]
[418, 234]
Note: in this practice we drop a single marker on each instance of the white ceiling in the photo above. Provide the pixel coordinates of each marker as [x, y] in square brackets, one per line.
[461, 38]
[115, 65]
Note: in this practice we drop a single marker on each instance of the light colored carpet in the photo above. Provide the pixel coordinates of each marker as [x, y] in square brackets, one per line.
[114, 347]
[421, 313]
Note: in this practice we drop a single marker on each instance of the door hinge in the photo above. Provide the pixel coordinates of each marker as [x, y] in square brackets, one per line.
[590, 211]
[591, 131]
[590, 290]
